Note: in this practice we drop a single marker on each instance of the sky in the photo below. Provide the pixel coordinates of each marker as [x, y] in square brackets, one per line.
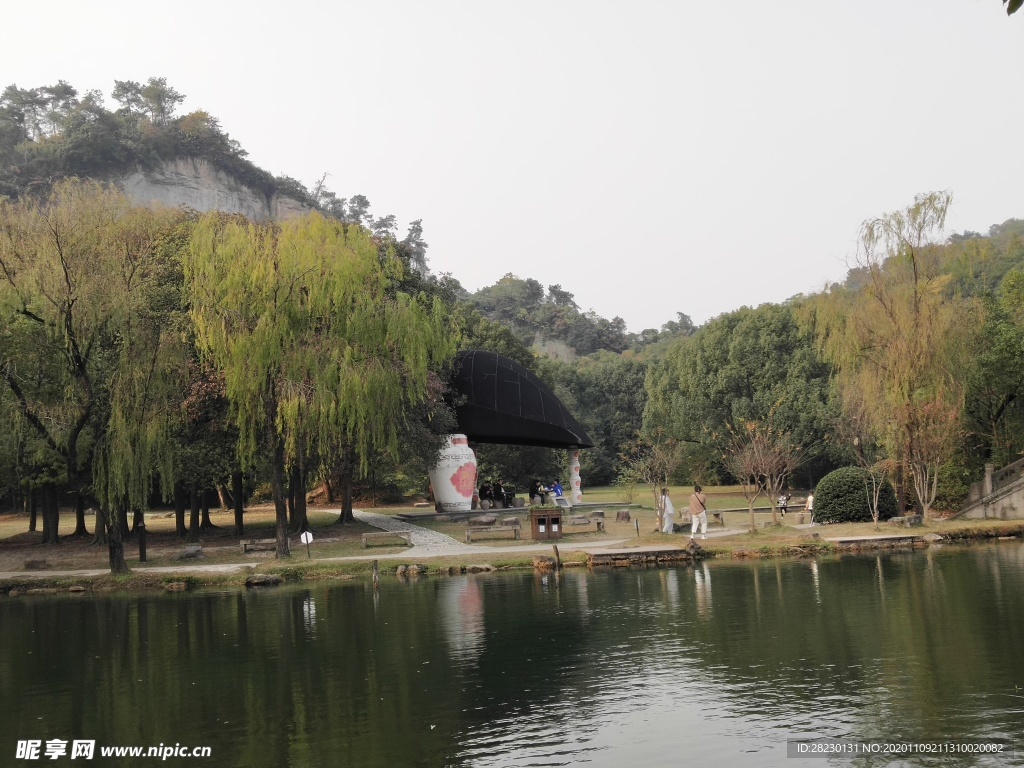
[649, 156]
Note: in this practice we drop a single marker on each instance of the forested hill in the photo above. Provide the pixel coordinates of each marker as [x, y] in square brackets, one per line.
[552, 323]
[53, 132]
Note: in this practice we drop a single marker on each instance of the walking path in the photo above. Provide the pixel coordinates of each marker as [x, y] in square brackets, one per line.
[425, 543]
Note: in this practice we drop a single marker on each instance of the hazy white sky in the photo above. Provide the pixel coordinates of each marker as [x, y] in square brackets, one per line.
[652, 157]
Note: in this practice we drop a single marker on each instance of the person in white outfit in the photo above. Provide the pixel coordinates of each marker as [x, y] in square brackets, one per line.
[699, 513]
[668, 512]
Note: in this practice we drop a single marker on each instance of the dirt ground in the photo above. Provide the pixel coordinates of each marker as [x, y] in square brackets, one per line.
[23, 550]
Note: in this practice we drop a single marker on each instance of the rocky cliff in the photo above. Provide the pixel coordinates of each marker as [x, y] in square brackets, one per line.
[202, 186]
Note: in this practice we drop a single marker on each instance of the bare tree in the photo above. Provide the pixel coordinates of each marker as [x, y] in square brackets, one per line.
[741, 461]
[652, 459]
[762, 458]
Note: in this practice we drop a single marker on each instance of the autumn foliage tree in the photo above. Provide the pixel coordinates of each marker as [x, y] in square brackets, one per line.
[898, 336]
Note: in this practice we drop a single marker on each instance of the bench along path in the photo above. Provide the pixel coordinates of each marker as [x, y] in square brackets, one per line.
[427, 543]
[424, 541]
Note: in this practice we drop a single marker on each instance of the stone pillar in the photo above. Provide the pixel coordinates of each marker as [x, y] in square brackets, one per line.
[575, 493]
[986, 489]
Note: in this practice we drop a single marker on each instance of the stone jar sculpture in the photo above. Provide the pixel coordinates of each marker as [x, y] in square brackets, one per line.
[453, 478]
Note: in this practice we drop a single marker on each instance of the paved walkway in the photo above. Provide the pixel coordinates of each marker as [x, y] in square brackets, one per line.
[425, 543]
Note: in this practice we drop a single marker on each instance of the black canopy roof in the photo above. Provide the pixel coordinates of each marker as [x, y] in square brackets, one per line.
[505, 403]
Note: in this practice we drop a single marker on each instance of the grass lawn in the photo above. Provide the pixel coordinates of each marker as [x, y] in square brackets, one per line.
[220, 546]
[164, 548]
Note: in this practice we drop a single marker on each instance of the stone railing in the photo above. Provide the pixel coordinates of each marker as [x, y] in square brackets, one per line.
[1006, 475]
[981, 492]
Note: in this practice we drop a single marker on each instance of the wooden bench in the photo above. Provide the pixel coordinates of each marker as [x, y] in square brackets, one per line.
[406, 536]
[478, 529]
[258, 545]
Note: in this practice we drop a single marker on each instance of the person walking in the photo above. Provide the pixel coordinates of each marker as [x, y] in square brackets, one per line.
[809, 506]
[668, 512]
[783, 504]
[698, 513]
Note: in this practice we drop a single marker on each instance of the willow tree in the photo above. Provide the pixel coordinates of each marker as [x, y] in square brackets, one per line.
[319, 350]
[897, 335]
[87, 286]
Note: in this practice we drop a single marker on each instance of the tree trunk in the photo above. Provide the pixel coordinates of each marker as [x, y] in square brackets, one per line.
[44, 511]
[80, 529]
[901, 489]
[207, 524]
[299, 519]
[137, 520]
[237, 493]
[31, 508]
[327, 492]
[100, 528]
[179, 511]
[346, 473]
[223, 496]
[277, 482]
[300, 505]
[292, 484]
[115, 544]
[122, 520]
[193, 520]
[51, 514]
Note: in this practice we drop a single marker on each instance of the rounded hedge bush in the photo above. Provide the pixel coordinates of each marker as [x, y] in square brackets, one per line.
[843, 496]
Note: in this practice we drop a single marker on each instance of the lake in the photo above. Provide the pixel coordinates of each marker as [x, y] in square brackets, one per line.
[723, 664]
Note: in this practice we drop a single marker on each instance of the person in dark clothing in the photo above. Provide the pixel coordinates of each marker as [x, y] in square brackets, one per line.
[487, 492]
[500, 495]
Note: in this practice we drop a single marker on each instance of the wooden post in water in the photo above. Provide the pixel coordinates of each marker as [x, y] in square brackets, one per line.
[558, 558]
[376, 575]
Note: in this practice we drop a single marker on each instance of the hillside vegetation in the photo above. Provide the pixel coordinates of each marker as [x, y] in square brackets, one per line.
[156, 371]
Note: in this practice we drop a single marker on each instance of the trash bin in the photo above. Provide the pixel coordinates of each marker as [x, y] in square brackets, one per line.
[545, 524]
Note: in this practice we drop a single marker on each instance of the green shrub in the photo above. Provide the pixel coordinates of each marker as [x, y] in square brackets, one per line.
[954, 485]
[843, 496]
[261, 494]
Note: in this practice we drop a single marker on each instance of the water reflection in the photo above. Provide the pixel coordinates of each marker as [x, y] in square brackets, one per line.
[461, 607]
[309, 615]
[670, 588]
[520, 669]
[702, 583]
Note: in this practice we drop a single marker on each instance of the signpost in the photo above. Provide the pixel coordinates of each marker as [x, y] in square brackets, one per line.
[306, 537]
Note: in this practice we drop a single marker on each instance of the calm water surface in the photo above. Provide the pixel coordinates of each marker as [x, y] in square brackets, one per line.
[717, 665]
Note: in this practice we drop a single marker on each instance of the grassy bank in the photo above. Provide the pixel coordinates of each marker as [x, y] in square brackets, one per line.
[224, 564]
